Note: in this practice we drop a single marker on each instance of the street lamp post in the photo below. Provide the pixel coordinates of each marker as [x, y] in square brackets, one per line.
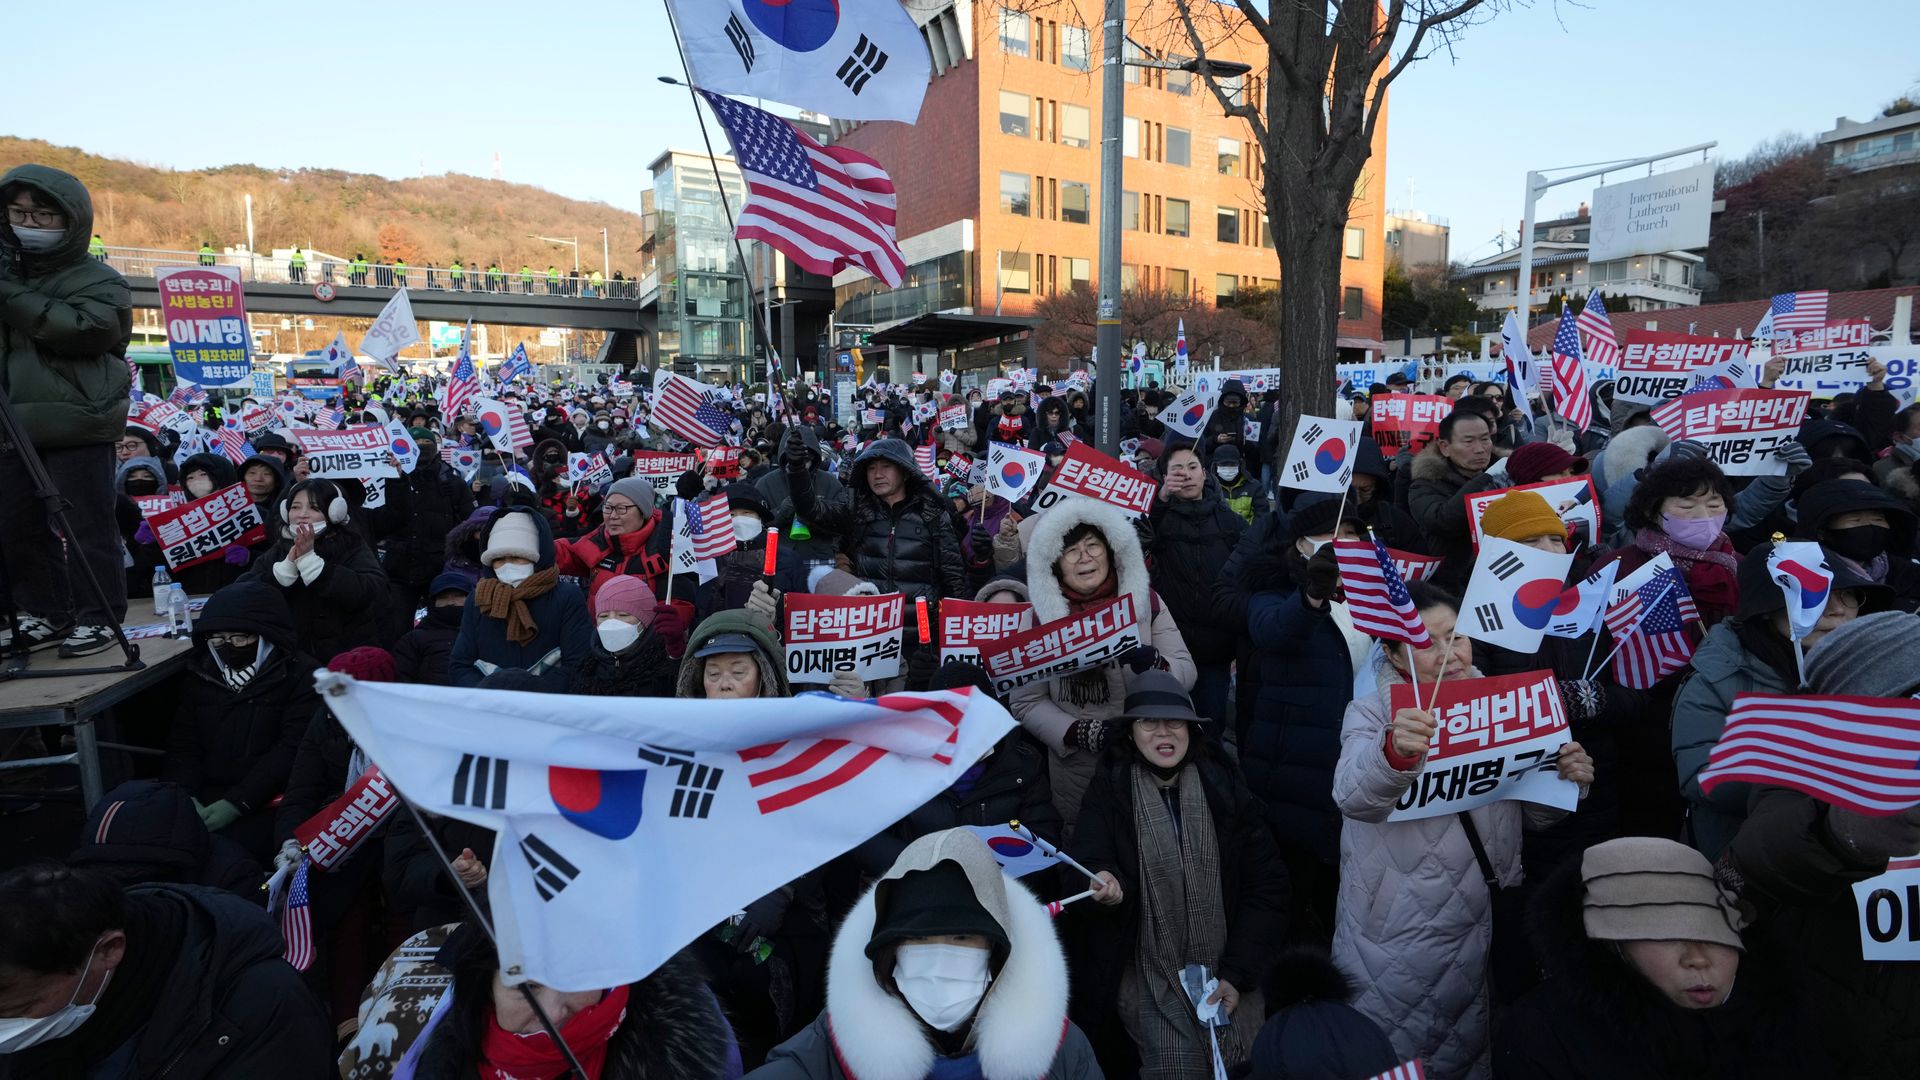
[570, 241]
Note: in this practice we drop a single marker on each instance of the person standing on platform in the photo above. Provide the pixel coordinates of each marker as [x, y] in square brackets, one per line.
[553, 280]
[297, 267]
[526, 279]
[97, 249]
[399, 273]
[207, 254]
[357, 270]
[457, 276]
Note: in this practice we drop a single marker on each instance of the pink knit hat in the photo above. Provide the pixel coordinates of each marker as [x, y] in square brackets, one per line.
[625, 593]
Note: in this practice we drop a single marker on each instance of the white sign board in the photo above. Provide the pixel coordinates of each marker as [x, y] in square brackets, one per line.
[1667, 212]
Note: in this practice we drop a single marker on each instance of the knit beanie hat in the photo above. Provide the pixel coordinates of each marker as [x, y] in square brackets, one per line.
[1534, 460]
[637, 489]
[1520, 516]
[1645, 888]
[824, 581]
[367, 663]
[512, 534]
[625, 593]
[1872, 656]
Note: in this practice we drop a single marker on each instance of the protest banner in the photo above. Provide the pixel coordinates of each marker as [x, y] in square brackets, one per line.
[1493, 371]
[376, 496]
[1494, 738]
[1515, 591]
[1086, 471]
[158, 502]
[1403, 421]
[958, 468]
[1574, 499]
[1743, 430]
[954, 418]
[206, 527]
[255, 418]
[205, 313]
[966, 624]
[1414, 567]
[1889, 907]
[358, 453]
[157, 415]
[1843, 370]
[1655, 366]
[829, 634]
[1059, 648]
[663, 471]
[263, 384]
[723, 463]
[1837, 334]
[1321, 457]
[348, 821]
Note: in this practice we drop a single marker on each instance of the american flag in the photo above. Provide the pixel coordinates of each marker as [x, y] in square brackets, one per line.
[1376, 597]
[352, 374]
[712, 526]
[1411, 1070]
[788, 773]
[1855, 752]
[517, 364]
[185, 394]
[1569, 376]
[296, 922]
[826, 207]
[1799, 311]
[233, 444]
[1597, 340]
[332, 418]
[683, 406]
[1649, 628]
[463, 386]
[923, 456]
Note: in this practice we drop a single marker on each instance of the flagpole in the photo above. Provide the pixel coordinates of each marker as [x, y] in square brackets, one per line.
[1435, 699]
[1634, 629]
[746, 268]
[486, 927]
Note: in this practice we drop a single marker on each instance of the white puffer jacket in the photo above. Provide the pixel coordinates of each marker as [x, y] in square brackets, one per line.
[1414, 921]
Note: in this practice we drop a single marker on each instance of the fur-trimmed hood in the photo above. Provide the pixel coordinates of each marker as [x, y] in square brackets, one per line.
[1004, 583]
[1022, 1020]
[1429, 465]
[1123, 547]
[1627, 452]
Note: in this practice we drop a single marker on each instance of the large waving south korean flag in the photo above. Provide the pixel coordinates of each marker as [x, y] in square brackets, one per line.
[1321, 458]
[853, 59]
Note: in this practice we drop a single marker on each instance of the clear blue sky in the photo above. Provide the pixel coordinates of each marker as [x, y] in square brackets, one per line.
[567, 93]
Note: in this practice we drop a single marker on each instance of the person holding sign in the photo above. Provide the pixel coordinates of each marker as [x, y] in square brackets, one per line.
[1415, 914]
[330, 578]
[1447, 469]
[1188, 874]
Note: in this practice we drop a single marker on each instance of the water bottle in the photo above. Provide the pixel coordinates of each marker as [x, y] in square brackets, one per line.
[179, 619]
[161, 586]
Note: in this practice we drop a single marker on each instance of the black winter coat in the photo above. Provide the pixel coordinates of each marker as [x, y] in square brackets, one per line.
[1012, 786]
[239, 745]
[908, 547]
[202, 994]
[1290, 743]
[1191, 542]
[417, 886]
[319, 775]
[420, 656]
[645, 670]
[345, 606]
[416, 519]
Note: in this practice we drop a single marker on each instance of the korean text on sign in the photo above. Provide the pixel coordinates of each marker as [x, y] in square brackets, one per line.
[1407, 420]
[333, 834]
[1495, 738]
[1655, 367]
[1064, 646]
[1743, 430]
[663, 470]
[829, 634]
[359, 453]
[204, 528]
[966, 625]
[1086, 471]
[205, 314]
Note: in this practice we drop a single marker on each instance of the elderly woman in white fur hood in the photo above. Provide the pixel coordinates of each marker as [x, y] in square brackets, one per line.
[1081, 554]
[945, 968]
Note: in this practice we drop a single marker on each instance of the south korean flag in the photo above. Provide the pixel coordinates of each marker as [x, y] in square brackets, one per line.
[1321, 458]
[1514, 593]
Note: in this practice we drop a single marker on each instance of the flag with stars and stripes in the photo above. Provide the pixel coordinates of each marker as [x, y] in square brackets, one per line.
[1796, 312]
[296, 921]
[233, 442]
[463, 385]
[825, 207]
[712, 525]
[1569, 373]
[1377, 599]
[1649, 628]
[186, 394]
[1858, 753]
[685, 408]
[1596, 332]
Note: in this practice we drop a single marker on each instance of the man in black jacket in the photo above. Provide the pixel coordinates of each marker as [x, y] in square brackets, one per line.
[422, 507]
[156, 980]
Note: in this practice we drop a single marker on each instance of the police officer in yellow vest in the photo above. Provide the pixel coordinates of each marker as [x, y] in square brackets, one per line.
[399, 272]
[297, 266]
[97, 248]
[457, 276]
[553, 279]
[526, 279]
[357, 269]
[599, 283]
[207, 254]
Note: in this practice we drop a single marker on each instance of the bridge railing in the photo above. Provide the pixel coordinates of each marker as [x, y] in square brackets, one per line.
[280, 270]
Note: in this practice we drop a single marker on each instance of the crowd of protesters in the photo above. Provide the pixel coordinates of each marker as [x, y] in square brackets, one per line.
[1228, 781]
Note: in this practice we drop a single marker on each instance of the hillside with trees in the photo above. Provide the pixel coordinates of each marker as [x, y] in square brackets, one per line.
[432, 219]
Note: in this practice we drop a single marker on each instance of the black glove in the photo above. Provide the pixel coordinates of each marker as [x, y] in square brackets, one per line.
[1088, 734]
[1142, 657]
[762, 920]
[1322, 576]
[793, 453]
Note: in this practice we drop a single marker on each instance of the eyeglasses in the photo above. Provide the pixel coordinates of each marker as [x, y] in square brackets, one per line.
[21, 216]
[231, 639]
[1160, 724]
[1848, 599]
[613, 509]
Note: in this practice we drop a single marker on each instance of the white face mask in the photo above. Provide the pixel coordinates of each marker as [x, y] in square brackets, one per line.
[1229, 473]
[318, 528]
[39, 239]
[747, 529]
[942, 983]
[602, 425]
[617, 635]
[199, 486]
[513, 573]
[20, 1032]
[1313, 546]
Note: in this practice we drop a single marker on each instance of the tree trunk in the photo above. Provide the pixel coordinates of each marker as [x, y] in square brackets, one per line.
[1309, 326]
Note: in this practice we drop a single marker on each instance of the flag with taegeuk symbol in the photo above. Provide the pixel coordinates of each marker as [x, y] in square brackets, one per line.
[601, 810]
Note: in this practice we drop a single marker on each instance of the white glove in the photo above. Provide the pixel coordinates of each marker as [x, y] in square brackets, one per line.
[847, 685]
[288, 856]
[764, 602]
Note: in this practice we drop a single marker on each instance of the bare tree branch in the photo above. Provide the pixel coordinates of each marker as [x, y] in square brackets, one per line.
[1244, 109]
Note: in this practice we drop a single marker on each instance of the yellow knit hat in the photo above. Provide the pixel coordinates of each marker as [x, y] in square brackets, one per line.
[1521, 516]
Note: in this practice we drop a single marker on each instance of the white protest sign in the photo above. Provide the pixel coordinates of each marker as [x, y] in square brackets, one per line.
[1744, 431]
[376, 494]
[829, 634]
[394, 329]
[663, 471]
[1321, 458]
[1889, 906]
[1656, 367]
[358, 453]
[954, 418]
[1830, 372]
[1064, 646]
[1494, 738]
[1574, 500]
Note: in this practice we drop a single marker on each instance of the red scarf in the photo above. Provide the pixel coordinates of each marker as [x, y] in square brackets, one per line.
[1107, 590]
[507, 1056]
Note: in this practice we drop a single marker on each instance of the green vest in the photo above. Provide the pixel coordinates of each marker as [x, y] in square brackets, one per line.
[526, 273]
[456, 271]
[553, 276]
[97, 247]
[297, 259]
[359, 266]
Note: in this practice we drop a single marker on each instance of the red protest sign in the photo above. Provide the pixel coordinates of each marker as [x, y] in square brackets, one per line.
[1494, 738]
[1086, 471]
[663, 470]
[204, 528]
[1414, 567]
[348, 821]
[723, 463]
[967, 625]
[828, 634]
[1064, 646]
[153, 504]
[1575, 500]
[1655, 366]
[1407, 420]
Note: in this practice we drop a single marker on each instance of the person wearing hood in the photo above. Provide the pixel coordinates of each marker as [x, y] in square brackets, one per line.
[330, 578]
[1414, 923]
[1188, 874]
[138, 476]
[137, 441]
[65, 320]
[634, 537]
[1868, 532]
[181, 981]
[1083, 554]
[1010, 421]
[266, 481]
[1648, 976]
[244, 703]
[1055, 421]
[944, 968]
[1227, 426]
[1795, 860]
[147, 832]
[627, 658]
[521, 615]
[1312, 1031]
[1194, 530]
[421, 509]
[422, 653]
[1239, 488]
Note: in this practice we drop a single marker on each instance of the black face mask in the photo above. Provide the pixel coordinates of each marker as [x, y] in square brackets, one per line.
[140, 486]
[1860, 543]
[445, 614]
[236, 657]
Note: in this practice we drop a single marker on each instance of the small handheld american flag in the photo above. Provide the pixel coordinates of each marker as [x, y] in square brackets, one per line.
[1859, 753]
[296, 921]
[712, 527]
[1799, 311]
[1376, 597]
[1596, 332]
[683, 407]
[1649, 628]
